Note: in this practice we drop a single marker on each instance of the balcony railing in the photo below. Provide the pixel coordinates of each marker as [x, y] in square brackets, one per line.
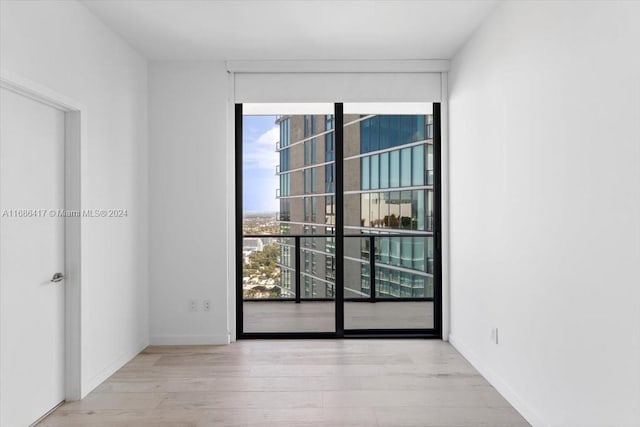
[371, 258]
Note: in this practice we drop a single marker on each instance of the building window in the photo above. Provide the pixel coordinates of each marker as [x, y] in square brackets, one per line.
[384, 170]
[310, 176]
[309, 125]
[386, 131]
[284, 160]
[394, 169]
[418, 170]
[374, 170]
[285, 184]
[285, 132]
[314, 242]
[328, 122]
[364, 171]
[310, 152]
[313, 208]
[329, 178]
[285, 210]
[405, 167]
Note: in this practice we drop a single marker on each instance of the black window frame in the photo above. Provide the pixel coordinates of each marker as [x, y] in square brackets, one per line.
[338, 237]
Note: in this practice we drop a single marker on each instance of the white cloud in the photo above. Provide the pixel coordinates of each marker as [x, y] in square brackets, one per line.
[261, 153]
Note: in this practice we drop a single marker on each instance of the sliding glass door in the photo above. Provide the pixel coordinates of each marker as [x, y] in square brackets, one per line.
[389, 218]
[338, 220]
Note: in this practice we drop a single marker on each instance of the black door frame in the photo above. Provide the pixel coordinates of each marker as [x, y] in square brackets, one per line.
[340, 332]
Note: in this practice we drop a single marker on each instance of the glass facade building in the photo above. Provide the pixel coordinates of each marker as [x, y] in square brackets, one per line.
[388, 192]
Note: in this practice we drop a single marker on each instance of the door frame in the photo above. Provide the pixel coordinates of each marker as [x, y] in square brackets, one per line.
[75, 128]
[436, 332]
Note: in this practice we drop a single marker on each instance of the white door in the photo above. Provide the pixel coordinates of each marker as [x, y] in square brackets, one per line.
[31, 252]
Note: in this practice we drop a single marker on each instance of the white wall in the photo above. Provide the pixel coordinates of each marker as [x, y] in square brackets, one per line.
[62, 46]
[188, 201]
[545, 208]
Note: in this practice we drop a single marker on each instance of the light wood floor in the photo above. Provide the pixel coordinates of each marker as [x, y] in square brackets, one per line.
[294, 383]
[319, 316]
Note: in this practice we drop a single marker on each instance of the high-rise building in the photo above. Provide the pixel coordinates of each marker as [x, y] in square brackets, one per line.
[388, 189]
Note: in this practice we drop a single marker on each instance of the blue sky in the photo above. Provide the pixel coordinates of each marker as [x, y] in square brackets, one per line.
[259, 161]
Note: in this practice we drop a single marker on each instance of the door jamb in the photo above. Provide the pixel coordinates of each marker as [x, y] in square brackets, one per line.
[75, 138]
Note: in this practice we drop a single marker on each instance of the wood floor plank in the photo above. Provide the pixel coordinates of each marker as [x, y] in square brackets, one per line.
[294, 383]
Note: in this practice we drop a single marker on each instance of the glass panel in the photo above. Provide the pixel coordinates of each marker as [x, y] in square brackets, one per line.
[365, 173]
[392, 283]
[405, 167]
[374, 210]
[392, 155]
[394, 247]
[385, 141]
[406, 252]
[384, 170]
[374, 170]
[365, 211]
[406, 210]
[421, 212]
[374, 139]
[415, 257]
[283, 203]
[365, 126]
[394, 169]
[384, 200]
[317, 267]
[418, 171]
[287, 203]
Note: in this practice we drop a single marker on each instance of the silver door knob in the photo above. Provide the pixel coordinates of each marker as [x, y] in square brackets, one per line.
[58, 277]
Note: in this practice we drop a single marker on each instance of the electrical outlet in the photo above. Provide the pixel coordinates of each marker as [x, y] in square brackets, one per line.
[193, 305]
[494, 335]
[206, 305]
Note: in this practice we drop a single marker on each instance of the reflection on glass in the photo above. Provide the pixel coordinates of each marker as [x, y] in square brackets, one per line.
[418, 170]
[396, 163]
[375, 172]
[394, 169]
[405, 180]
[384, 170]
[365, 173]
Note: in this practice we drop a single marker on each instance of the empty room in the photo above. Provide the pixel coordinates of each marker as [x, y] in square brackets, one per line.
[319, 213]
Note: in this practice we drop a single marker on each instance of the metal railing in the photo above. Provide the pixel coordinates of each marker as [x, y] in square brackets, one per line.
[372, 259]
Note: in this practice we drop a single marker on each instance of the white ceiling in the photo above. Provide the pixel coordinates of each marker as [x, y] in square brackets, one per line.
[293, 29]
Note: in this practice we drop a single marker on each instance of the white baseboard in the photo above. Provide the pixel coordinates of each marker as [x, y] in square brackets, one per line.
[189, 339]
[93, 382]
[529, 414]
